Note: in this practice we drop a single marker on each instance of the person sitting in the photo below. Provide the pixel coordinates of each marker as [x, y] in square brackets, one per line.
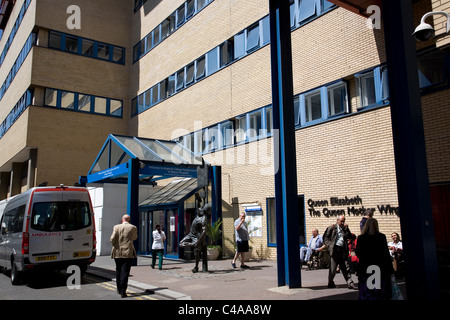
[314, 245]
[396, 251]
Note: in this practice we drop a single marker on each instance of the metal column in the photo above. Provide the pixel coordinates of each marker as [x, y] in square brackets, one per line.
[409, 147]
[286, 206]
[133, 196]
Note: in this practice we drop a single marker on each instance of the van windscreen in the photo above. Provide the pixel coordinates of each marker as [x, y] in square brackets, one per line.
[60, 216]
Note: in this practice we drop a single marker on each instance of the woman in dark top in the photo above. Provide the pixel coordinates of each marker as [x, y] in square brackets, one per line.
[374, 266]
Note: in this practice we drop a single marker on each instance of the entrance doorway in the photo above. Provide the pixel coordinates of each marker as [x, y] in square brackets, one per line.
[168, 220]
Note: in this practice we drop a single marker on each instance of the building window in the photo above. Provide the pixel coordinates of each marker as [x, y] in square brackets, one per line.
[212, 61]
[271, 221]
[83, 103]
[337, 99]
[226, 52]
[367, 89]
[54, 40]
[51, 98]
[313, 106]
[86, 47]
[433, 68]
[373, 87]
[67, 100]
[252, 37]
[200, 72]
[190, 70]
[71, 44]
[255, 125]
[241, 129]
[227, 134]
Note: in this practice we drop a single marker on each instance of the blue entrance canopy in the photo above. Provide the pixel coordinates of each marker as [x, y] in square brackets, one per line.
[158, 159]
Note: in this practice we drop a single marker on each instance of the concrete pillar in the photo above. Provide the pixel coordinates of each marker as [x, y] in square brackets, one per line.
[31, 175]
[16, 178]
[4, 184]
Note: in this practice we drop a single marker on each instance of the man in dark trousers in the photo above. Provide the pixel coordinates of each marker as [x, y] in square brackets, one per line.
[335, 240]
[123, 252]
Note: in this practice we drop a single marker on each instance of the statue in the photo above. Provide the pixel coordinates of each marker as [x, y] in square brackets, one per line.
[197, 235]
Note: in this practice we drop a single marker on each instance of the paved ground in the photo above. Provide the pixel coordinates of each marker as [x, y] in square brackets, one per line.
[222, 282]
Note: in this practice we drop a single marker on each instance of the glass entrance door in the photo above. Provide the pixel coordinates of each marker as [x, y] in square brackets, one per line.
[172, 233]
[143, 238]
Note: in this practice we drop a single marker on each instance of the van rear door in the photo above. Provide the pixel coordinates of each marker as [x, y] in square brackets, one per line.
[78, 227]
[44, 229]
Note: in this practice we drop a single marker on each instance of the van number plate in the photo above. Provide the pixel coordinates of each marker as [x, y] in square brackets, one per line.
[46, 258]
[81, 254]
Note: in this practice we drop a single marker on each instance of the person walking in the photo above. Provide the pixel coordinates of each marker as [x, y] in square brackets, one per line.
[373, 252]
[242, 237]
[159, 237]
[123, 252]
[335, 240]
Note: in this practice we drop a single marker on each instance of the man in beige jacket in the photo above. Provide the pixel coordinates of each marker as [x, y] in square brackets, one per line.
[123, 252]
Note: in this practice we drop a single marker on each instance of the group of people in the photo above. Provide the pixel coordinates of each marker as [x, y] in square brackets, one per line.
[123, 251]
[369, 254]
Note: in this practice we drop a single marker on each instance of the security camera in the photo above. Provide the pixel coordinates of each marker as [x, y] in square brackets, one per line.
[424, 31]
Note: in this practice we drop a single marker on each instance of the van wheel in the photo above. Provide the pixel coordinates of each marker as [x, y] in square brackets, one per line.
[16, 275]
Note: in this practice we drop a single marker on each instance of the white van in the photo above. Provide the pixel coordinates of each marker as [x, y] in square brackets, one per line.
[47, 227]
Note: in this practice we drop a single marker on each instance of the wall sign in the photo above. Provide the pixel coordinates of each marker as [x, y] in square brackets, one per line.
[336, 206]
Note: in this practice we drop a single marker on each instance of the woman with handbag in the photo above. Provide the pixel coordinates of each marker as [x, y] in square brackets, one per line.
[374, 266]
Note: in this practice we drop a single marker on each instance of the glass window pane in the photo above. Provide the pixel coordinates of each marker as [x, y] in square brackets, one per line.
[227, 133]
[51, 97]
[155, 92]
[266, 30]
[431, 69]
[118, 54]
[297, 110]
[103, 51]
[71, 44]
[190, 73]
[147, 99]
[253, 37]
[100, 105]
[200, 68]
[84, 102]
[255, 124]
[269, 120]
[337, 100]
[149, 42]
[292, 12]
[67, 100]
[190, 9]
[307, 8]
[313, 107]
[212, 61]
[367, 83]
[241, 128]
[163, 89]
[239, 45]
[201, 4]
[171, 85]
[180, 79]
[226, 52]
[180, 15]
[115, 107]
[87, 47]
[54, 40]
[156, 35]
